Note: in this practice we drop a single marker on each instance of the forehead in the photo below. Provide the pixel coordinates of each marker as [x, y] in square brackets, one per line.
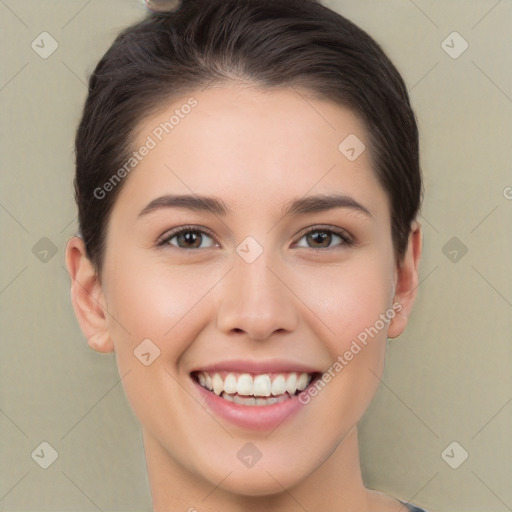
[252, 146]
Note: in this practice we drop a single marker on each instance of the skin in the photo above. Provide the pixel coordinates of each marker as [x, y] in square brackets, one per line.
[256, 150]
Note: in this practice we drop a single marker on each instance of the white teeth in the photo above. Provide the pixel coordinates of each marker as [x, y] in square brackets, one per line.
[262, 385]
[241, 388]
[291, 383]
[230, 385]
[245, 384]
[208, 382]
[278, 385]
[302, 381]
[218, 384]
[256, 402]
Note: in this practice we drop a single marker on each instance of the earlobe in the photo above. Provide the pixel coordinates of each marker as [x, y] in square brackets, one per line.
[87, 297]
[407, 282]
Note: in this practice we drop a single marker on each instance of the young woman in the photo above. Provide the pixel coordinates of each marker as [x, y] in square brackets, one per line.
[247, 180]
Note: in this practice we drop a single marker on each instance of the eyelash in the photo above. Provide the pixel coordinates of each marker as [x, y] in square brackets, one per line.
[346, 239]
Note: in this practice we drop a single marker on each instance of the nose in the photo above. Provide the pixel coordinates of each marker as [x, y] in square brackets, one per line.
[256, 300]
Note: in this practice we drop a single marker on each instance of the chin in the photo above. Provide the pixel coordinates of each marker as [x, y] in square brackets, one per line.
[258, 482]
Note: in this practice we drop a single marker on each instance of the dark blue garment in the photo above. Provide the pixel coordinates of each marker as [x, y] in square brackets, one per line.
[412, 508]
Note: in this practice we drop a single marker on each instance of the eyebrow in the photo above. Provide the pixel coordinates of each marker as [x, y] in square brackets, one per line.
[321, 203]
[190, 202]
[302, 206]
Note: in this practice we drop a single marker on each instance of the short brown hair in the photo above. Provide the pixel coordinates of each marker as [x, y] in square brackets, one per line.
[271, 43]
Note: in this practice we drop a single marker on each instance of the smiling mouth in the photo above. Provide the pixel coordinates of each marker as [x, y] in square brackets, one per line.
[254, 389]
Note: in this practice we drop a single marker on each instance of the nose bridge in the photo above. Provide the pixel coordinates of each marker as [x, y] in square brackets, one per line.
[254, 300]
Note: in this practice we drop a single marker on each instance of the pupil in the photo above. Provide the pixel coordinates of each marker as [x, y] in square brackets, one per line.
[320, 237]
[191, 238]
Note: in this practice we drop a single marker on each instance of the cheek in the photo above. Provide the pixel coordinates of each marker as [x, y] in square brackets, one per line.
[166, 306]
[347, 299]
[350, 308]
[155, 301]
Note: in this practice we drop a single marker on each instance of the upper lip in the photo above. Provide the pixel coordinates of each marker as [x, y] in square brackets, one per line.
[257, 366]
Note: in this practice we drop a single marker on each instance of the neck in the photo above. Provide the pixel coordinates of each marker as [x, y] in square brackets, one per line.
[336, 486]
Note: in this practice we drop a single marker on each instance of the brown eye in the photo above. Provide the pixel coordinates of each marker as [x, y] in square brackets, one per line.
[189, 239]
[324, 239]
[319, 239]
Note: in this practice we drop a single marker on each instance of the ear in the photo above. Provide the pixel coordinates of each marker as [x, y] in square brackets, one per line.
[406, 282]
[87, 297]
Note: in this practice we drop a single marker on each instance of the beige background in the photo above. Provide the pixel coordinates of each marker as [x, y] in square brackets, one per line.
[448, 378]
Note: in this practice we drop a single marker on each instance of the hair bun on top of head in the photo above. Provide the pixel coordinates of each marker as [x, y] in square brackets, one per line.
[163, 6]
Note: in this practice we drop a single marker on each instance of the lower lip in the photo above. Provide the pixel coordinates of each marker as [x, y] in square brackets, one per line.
[253, 417]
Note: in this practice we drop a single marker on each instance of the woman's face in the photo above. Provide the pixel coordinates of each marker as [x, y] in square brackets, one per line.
[285, 270]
